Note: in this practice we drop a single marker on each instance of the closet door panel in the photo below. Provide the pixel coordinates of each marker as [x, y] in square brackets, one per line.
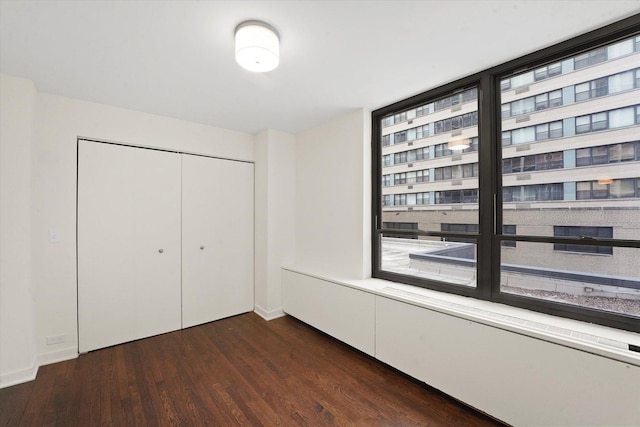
[217, 239]
[128, 244]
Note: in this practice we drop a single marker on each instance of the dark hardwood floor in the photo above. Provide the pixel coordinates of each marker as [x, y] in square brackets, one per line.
[237, 371]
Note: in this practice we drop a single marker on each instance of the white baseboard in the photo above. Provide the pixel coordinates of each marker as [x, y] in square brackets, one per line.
[268, 315]
[57, 356]
[20, 376]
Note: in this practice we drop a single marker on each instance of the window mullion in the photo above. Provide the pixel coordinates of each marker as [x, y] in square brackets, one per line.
[488, 246]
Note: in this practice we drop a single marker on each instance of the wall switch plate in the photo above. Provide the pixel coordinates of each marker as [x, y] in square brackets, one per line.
[54, 236]
[55, 339]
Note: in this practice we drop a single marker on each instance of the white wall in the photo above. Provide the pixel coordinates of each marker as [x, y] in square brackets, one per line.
[275, 217]
[17, 347]
[59, 122]
[333, 197]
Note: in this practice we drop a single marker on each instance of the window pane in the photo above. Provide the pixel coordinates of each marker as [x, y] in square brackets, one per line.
[523, 135]
[583, 157]
[506, 138]
[555, 130]
[627, 152]
[599, 121]
[555, 69]
[620, 49]
[583, 124]
[522, 107]
[620, 118]
[506, 110]
[583, 175]
[582, 91]
[586, 279]
[583, 191]
[542, 132]
[622, 188]
[522, 79]
[541, 73]
[599, 155]
[599, 190]
[418, 198]
[444, 260]
[542, 101]
[621, 82]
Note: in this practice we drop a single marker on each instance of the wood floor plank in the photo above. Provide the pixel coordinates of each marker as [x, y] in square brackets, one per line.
[236, 371]
[13, 403]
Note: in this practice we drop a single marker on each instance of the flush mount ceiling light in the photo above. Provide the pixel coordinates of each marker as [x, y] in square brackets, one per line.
[459, 144]
[257, 46]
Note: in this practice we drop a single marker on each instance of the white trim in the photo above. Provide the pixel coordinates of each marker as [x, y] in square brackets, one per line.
[57, 356]
[268, 315]
[20, 376]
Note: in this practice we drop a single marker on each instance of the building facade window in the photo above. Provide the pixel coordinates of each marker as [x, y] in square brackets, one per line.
[596, 56]
[400, 226]
[621, 117]
[459, 228]
[536, 162]
[583, 232]
[399, 199]
[543, 73]
[610, 85]
[623, 48]
[457, 122]
[422, 131]
[422, 199]
[608, 189]
[457, 99]
[399, 137]
[413, 177]
[605, 154]
[535, 133]
[423, 110]
[469, 170]
[533, 193]
[532, 104]
[456, 196]
[490, 214]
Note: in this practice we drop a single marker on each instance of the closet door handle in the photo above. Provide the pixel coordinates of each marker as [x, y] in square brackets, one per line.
[161, 250]
[201, 248]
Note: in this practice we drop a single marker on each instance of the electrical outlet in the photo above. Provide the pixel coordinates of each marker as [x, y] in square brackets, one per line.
[55, 339]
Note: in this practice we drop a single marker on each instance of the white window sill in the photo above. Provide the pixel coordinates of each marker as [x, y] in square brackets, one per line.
[596, 339]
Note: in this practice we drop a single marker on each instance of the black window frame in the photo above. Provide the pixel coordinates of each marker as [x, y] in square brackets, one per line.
[490, 83]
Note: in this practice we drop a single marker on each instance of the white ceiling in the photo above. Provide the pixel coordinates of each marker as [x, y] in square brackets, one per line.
[175, 58]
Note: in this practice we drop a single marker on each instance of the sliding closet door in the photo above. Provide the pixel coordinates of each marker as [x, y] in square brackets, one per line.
[217, 239]
[128, 244]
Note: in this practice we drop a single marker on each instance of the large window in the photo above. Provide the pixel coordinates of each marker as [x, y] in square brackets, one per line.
[529, 153]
